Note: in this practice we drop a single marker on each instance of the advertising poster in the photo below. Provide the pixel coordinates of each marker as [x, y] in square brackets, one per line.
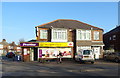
[40, 53]
[53, 52]
[25, 51]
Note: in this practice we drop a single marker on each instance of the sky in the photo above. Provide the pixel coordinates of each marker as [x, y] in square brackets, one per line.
[20, 18]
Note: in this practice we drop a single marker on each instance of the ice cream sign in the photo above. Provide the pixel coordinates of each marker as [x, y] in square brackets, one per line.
[28, 44]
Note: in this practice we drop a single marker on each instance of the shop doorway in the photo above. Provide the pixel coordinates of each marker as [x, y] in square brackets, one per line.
[35, 54]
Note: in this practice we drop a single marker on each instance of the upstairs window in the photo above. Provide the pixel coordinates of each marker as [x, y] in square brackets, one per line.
[110, 38]
[83, 35]
[59, 35]
[114, 37]
[96, 35]
[43, 34]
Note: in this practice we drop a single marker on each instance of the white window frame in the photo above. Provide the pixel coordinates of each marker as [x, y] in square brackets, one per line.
[83, 34]
[110, 38]
[96, 35]
[57, 35]
[42, 34]
[114, 37]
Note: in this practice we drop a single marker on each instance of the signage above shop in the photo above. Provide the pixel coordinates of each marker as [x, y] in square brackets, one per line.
[56, 44]
[29, 44]
[47, 44]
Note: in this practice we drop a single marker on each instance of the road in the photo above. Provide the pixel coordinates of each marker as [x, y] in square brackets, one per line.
[67, 68]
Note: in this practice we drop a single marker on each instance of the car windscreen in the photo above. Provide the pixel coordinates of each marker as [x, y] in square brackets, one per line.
[86, 52]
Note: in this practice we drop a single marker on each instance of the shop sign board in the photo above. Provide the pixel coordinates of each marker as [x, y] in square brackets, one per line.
[55, 44]
[46, 44]
[29, 44]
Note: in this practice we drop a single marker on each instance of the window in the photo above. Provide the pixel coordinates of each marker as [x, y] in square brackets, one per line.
[43, 34]
[96, 35]
[59, 35]
[83, 35]
[114, 37]
[110, 38]
[87, 52]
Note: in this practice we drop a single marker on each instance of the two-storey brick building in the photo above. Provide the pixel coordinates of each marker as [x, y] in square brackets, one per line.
[112, 40]
[67, 36]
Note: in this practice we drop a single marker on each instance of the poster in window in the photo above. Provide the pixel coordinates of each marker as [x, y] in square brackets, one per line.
[53, 52]
[25, 52]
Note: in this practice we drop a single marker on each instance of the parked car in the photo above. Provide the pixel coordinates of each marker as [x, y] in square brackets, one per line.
[115, 56]
[85, 56]
[10, 55]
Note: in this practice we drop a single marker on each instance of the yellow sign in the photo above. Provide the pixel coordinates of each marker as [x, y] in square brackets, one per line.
[55, 44]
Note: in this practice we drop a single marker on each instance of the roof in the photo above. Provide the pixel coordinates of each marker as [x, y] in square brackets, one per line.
[115, 30]
[68, 23]
[12, 44]
[4, 43]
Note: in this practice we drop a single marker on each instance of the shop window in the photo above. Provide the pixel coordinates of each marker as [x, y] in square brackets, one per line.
[96, 35]
[53, 52]
[83, 35]
[59, 35]
[43, 34]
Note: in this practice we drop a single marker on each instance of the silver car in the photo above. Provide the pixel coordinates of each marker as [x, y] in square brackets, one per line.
[85, 56]
[115, 56]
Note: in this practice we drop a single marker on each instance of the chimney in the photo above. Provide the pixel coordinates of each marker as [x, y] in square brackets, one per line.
[4, 40]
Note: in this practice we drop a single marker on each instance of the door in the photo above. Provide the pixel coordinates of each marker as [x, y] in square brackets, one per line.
[35, 54]
[96, 52]
[32, 54]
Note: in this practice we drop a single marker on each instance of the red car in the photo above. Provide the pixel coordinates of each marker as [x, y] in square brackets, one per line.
[10, 55]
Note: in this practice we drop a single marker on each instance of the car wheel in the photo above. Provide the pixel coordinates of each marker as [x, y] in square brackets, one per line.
[92, 62]
[116, 60]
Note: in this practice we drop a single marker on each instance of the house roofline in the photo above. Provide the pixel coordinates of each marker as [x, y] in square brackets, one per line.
[69, 20]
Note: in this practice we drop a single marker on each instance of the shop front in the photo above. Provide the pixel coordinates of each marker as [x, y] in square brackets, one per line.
[33, 51]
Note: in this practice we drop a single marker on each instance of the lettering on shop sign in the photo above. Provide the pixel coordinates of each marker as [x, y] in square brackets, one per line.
[29, 44]
[56, 44]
